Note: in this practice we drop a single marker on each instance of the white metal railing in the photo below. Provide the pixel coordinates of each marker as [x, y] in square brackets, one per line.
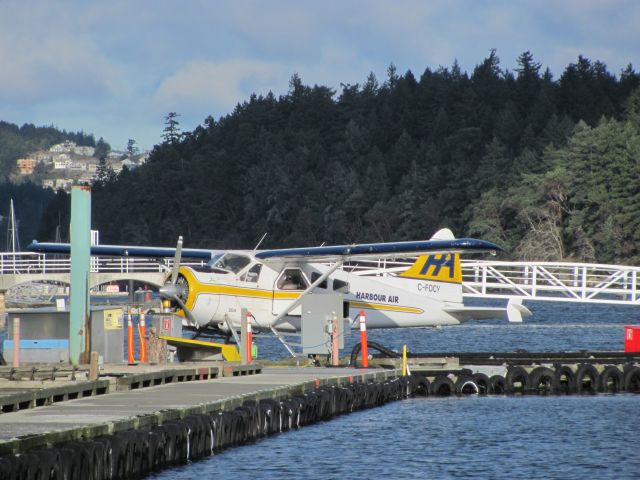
[577, 282]
[553, 281]
[39, 263]
[559, 281]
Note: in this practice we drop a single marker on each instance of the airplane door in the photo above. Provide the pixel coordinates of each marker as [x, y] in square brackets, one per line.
[288, 286]
[256, 300]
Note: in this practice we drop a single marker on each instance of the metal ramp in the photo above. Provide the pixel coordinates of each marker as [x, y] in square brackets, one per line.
[543, 281]
[552, 281]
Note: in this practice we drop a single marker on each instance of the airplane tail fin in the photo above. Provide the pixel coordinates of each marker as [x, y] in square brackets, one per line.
[442, 267]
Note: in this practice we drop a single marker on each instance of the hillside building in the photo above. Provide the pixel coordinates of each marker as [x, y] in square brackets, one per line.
[26, 165]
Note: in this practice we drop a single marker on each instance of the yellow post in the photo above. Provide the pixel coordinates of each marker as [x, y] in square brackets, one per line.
[404, 360]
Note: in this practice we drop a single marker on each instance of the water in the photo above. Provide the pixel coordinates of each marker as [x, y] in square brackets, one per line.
[554, 326]
[471, 437]
[500, 437]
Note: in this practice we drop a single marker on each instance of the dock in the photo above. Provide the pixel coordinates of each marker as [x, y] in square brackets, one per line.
[137, 425]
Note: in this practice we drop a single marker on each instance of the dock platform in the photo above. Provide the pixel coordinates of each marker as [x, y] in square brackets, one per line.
[198, 392]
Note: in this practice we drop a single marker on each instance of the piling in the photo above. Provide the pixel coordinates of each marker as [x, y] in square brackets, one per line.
[143, 338]
[16, 342]
[80, 260]
[94, 367]
[335, 341]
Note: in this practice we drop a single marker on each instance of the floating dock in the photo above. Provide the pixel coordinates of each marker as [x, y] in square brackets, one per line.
[521, 372]
[138, 425]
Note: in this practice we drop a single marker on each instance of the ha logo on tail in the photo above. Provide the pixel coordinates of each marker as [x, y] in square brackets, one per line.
[443, 267]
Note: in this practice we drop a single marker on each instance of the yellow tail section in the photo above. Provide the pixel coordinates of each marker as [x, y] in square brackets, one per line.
[442, 267]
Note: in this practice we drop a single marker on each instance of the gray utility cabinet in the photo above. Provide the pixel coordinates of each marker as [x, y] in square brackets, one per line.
[44, 334]
[315, 326]
[166, 324]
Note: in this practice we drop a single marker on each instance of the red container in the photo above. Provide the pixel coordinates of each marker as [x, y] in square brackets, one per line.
[631, 338]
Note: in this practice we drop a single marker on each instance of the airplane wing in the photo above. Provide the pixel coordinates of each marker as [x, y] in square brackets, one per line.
[125, 250]
[378, 250]
[437, 244]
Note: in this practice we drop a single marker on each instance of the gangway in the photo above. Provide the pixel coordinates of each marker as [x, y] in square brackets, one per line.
[546, 281]
[552, 281]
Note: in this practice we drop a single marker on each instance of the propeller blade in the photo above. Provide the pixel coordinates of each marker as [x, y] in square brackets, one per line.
[186, 311]
[176, 261]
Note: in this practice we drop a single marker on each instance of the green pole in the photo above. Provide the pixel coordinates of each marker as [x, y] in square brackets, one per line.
[80, 260]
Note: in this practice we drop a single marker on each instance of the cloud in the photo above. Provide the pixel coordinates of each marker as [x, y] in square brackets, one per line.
[45, 66]
[203, 85]
[127, 64]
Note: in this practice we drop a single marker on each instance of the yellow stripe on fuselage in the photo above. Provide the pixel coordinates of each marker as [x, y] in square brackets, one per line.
[387, 308]
[197, 287]
[243, 292]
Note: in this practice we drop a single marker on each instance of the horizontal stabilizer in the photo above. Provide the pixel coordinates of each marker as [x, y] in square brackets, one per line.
[513, 312]
[464, 314]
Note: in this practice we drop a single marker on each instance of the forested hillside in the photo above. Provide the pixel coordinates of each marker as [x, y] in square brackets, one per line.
[547, 167]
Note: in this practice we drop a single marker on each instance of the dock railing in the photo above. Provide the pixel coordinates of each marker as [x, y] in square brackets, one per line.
[36, 263]
[553, 281]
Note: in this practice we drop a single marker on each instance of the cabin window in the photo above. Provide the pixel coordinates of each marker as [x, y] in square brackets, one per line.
[292, 279]
[340, 286]
[252, 274]
[232, 262]
[315, 276]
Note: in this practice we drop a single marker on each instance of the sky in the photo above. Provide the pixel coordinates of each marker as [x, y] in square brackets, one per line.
[116, 68]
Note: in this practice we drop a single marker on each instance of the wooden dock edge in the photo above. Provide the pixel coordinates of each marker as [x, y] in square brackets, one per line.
[49, 439]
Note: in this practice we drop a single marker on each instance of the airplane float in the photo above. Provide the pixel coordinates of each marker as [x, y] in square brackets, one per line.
[272, 283]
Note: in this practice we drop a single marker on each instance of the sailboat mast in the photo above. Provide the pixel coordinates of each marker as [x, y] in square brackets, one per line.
[13, 242]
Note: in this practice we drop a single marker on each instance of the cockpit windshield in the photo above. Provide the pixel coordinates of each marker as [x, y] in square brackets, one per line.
[231, 262]
[213, 260]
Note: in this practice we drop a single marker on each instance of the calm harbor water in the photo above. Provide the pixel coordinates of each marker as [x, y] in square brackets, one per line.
[472, 437]
[554, 326]
[500, 437]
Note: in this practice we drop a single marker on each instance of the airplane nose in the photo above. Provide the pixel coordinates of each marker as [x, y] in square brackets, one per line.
[172, 291]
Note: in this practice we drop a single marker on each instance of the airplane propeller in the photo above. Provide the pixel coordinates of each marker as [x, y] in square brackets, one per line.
[174, 290]
[176, 260]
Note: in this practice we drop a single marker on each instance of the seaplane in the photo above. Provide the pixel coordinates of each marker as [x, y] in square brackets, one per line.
[271, 284]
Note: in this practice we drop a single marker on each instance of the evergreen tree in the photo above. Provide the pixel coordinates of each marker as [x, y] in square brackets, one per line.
[102, 149]
[171, 132]
[132, 150]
